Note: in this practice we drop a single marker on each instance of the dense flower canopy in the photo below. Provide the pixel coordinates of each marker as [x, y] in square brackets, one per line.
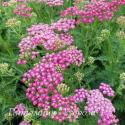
[49, 50]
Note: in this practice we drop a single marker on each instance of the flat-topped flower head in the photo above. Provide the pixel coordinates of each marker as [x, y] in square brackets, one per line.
[97, 103]
[106, 90]
[64, 24]
[80, 95]
[23, 10]
[101, 10]
[20, 110]
[42, 35]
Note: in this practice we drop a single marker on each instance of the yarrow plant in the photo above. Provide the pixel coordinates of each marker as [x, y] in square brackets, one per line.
[45, 83]
[96, 103]
[22, 9]
[102, 10]
[64, 24]
[45, 78]
[106, 90]
[20, 110]
[45, 35]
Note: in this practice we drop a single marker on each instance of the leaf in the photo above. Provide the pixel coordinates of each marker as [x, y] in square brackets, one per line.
[89, 120]
[102, 58]
[119, 103]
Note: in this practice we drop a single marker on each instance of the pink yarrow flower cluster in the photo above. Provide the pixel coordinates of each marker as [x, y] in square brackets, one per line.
[20, 110]
[97, 103]
[68, 110]
[46, 77]
[54, 2]
[22, 9]
[106, 90]
[43, 93]
[103, 10]
[45, 35]
[49, 63]
[64, 24]
[67, 38]
[65, 109]
[80, 95]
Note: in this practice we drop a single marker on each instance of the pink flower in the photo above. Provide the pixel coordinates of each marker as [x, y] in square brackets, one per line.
[68, 110]
[102, 10]
[54, 2]
[64, 24]
[80, 95]
[42, 34]
[106, 89]
[45, 78]
[20, 109]
[97, 103]
[5, 4]
[22, 9]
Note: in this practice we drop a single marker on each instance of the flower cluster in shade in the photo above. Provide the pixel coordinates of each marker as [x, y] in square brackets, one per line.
[80, 95]
[101, 10]
[91, 60]
[79, 76]
[51, 37]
